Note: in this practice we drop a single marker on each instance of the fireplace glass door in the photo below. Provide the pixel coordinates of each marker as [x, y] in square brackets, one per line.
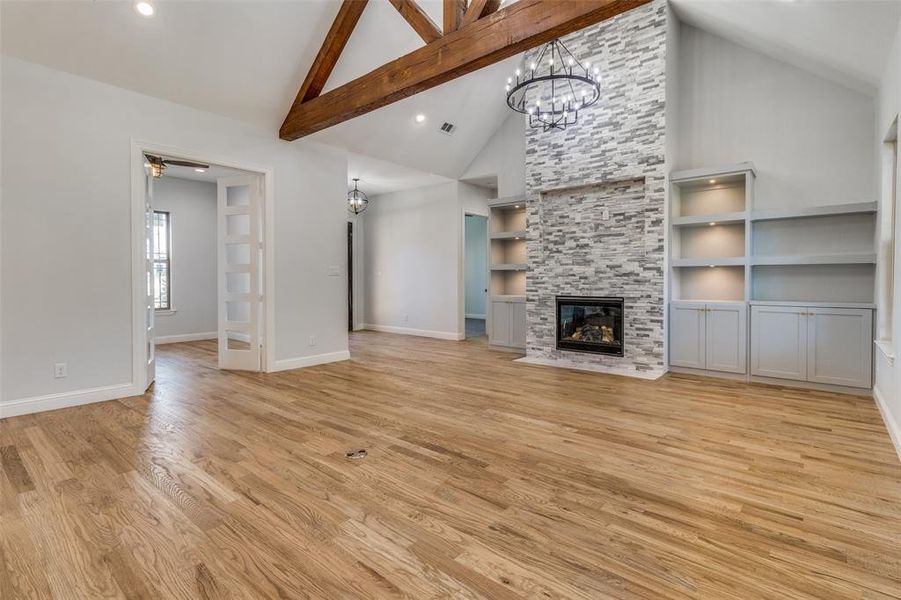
[590, 324]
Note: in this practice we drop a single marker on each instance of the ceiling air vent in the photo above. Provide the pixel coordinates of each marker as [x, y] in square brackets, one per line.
[448, 128]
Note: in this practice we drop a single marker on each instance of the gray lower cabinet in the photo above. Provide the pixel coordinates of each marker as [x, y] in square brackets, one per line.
[816, 344]
[508, 323]
[709, 335]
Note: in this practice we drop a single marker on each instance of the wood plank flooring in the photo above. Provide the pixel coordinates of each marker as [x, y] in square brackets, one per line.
[484, 479]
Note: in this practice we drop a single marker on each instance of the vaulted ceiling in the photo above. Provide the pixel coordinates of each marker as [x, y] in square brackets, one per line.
[247, 59]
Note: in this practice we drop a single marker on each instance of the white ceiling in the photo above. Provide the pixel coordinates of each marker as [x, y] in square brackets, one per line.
[246, 59]
[381, 177]
[843, 40]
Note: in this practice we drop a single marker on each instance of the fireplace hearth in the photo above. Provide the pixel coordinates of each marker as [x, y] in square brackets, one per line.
[590, 324]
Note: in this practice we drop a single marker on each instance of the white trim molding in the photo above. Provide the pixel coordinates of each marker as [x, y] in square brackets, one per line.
[36, 404]
[288, 364]
[185, 337]
[440, 335]
[894, 428]
[887, 350]
[476, 316]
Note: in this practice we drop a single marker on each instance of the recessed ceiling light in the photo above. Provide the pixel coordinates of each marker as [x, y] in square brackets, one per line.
[144, 8]
[712, 223]
[517, 206]
[712, 181]
[200, 170]
[420, 118]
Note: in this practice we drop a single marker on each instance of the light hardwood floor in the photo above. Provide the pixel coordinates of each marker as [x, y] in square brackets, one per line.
[484, 478]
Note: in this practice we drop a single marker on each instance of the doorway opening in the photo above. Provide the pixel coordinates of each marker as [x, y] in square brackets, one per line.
[475, 274]
[350, 276]
[201, 253]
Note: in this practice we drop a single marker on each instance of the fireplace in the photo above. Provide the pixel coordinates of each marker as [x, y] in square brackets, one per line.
[590, 324]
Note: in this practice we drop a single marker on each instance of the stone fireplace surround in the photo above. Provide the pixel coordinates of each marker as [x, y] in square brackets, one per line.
[610, 163]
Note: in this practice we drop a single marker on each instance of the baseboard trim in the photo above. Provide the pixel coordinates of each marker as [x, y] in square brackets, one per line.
[894, 429]
[288, 364]
[476, 316]
[562, 364]
[36, 404]
[184, 337]
[440, 335]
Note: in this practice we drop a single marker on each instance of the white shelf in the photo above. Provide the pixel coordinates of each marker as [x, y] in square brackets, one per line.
[855, 258]
[508, 202]
[510, 267]
[724, 261]
[813, 211]
[705, 301]
[813, 304]
[714, 172]
[701, 220]
[509, 235]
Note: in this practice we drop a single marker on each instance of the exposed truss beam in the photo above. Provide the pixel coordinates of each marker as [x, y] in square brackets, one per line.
[343, 25]
[453, 15]
[418, 20]
[478, 9]
[507, 32]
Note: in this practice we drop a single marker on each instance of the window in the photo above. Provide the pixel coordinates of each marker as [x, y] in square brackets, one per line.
[162, 291]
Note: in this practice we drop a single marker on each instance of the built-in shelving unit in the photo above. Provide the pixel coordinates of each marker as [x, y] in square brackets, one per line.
[507, 234]
[799, 272]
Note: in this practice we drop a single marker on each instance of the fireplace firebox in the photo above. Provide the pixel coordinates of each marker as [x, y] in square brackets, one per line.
[590, 324]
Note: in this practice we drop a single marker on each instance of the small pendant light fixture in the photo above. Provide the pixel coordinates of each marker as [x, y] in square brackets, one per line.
[553, 88]
[356, 200]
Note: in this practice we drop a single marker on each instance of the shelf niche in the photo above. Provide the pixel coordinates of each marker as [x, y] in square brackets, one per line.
[821, 283]
[709, 284]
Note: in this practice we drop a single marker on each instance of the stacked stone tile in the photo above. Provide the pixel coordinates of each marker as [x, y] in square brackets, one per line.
[611, 159]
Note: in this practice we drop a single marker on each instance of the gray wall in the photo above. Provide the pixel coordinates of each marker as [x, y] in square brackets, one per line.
[192, 214]
[612, 158]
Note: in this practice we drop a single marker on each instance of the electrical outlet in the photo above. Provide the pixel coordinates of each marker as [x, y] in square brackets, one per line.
[312, 340]
[334, 271]
[605, 215]
[61, 370]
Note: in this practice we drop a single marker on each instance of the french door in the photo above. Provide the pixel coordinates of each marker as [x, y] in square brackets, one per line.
[240, 257]
[149, 299]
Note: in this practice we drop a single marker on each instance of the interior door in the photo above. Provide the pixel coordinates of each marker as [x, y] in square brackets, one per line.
[149, 303]
[687, 341]
[779, 342]
[240, 202]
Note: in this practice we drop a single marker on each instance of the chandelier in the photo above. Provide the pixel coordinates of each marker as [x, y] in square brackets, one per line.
[554, 88]
[356, 200]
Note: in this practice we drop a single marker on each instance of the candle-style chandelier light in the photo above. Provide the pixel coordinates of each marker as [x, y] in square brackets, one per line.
[553, 87]
[356, 200]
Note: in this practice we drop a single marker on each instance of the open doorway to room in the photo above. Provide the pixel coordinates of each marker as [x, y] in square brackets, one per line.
[199, 265]
[475, 274]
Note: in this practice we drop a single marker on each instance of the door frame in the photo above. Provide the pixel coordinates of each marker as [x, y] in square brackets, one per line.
[138, 273]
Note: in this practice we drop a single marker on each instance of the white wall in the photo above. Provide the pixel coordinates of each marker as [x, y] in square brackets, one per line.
[66, 238]
[811, 139]
[888, 372]
[414, 259]
[475, 269]
[504, 157]
[192, 217]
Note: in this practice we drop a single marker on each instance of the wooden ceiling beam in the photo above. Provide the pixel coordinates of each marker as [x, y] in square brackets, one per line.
[516, 28]
[453, 15]
[418, 20]
[343, 25]
[478, 9]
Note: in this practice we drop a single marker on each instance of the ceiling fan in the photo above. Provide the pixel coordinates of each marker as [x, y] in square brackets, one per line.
[158, 164]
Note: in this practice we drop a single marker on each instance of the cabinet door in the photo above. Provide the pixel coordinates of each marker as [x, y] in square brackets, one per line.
[779, 342]
[518, 324]
[687, 338]
[727, 337]
[500, 323]
[839, 346]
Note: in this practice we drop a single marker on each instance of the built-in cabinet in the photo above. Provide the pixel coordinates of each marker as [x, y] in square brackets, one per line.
[709, 336]
[507, 234]
[812, 343]
[808, 274]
